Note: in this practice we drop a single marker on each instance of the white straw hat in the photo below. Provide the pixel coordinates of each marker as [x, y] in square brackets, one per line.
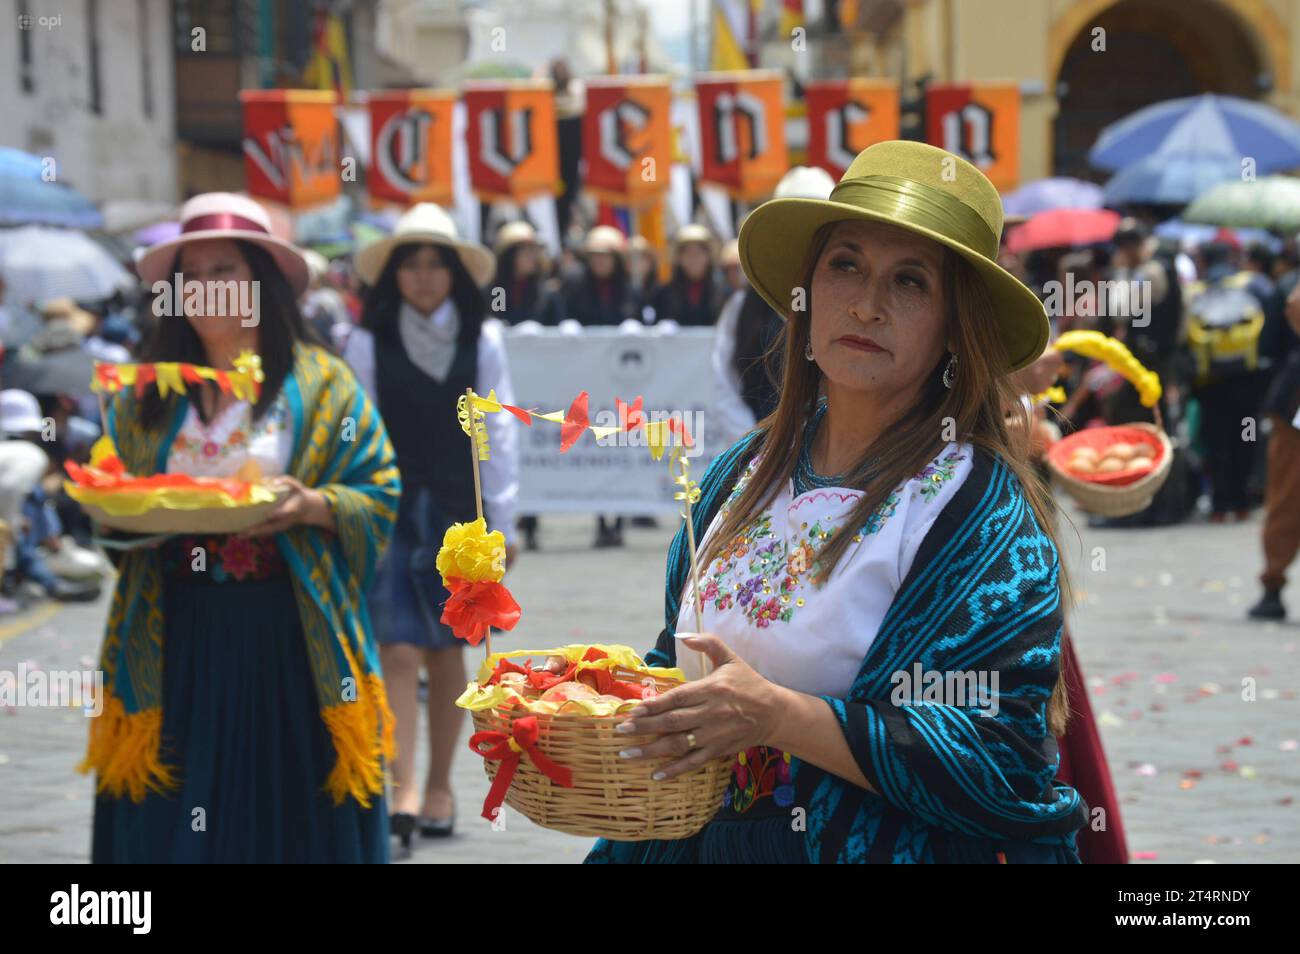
[216, 215]
[605, 238]
[425, 223]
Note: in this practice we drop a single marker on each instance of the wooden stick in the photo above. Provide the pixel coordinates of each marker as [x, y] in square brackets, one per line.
[478, 484]
[697, 599]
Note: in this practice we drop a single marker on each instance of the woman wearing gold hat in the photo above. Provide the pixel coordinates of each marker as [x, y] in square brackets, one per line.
[880, 583]
[245, 717]
[422, 341]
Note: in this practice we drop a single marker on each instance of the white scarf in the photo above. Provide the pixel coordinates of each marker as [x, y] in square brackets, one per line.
[430, 341]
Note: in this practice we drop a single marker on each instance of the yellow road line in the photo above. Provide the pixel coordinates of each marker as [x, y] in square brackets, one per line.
[40, 615]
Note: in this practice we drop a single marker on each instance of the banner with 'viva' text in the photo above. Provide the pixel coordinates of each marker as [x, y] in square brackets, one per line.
[291, 146]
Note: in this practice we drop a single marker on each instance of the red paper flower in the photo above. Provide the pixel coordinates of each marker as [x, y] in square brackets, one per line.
[473, 607]
[575, 422]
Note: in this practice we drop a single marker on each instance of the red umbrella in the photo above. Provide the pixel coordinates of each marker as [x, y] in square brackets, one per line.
[1062, 228]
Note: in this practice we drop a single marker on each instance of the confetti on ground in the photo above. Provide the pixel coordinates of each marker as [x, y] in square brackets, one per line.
[1187, 783]
[1147, 769]
[1109, 720]
[1230, 766]
[1245, 740]
[1145, 855]
[1288, 745]
[1248, 773]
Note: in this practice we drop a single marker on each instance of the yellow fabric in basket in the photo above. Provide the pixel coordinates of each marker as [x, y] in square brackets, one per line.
[479, 696]
[126, 503]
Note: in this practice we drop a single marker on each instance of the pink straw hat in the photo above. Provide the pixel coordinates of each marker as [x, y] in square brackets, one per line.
[216, 215]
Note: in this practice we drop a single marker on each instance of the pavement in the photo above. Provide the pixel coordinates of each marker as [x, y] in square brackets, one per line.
[1199, 708]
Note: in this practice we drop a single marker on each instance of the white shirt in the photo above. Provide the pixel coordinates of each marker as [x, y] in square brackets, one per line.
[430, 343]
[220, 448]
[759, 596]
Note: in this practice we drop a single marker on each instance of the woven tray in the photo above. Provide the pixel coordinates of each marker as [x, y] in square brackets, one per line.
[611, 797]
[202, 520]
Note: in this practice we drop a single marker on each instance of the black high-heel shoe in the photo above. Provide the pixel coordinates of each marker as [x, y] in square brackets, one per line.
[402, 824]
[437, 827]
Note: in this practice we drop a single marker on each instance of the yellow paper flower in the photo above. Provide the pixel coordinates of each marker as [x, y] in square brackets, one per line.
[101, 450]
[470, 553]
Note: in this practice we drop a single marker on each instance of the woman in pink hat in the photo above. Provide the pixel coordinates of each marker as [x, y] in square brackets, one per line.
[244, 717]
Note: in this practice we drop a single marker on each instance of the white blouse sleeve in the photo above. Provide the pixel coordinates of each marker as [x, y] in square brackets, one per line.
[734, 415]
[500, 472]
[947, 473]
[359, 353]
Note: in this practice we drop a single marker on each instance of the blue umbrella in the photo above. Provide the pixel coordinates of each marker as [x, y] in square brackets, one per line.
[26, 201]
[1170, 179]
[1054, 193]
[24, 165]
[1201, 125]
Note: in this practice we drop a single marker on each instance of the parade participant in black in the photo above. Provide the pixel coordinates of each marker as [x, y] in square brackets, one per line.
[519, 287]
[422, 342]
[694, 295]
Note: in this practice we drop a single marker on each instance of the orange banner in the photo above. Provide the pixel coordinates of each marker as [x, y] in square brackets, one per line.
[847, 116]
[742, 131]
[291, 146]
[626, 139]
[510, 136]
[981, 123]
[410, 146]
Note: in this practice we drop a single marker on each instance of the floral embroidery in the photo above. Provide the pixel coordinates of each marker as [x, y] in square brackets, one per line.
[937, 473]
[758, 773]
[222, 559]
[764, 576]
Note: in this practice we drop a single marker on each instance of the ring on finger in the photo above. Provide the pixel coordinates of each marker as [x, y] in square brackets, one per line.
[690, 740]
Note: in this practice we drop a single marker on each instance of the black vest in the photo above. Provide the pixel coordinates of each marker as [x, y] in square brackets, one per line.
[420, 414]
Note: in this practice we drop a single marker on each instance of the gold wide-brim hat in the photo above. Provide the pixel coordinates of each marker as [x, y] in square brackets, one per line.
[913, 186]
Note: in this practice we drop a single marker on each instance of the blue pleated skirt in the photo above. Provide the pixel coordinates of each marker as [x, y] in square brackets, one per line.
[241, 723]
[407, 594]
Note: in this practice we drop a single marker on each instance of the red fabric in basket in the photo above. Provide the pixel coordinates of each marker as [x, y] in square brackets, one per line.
[1099, 439]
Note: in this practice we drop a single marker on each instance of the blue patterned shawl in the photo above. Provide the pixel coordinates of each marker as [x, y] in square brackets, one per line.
[982, 595]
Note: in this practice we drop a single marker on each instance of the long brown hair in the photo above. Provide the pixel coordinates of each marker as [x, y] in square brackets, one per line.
[972, 411]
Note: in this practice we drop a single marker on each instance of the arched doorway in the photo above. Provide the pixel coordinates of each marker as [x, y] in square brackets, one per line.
[1154, 50]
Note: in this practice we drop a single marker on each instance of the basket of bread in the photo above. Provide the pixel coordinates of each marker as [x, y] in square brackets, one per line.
[1113, 471]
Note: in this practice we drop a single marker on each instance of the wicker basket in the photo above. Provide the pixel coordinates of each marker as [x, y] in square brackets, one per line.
[611, 797]
[1116, 500]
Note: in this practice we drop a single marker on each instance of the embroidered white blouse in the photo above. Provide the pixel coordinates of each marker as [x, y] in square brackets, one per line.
[430, 342]
[759, 597]
[221, 447]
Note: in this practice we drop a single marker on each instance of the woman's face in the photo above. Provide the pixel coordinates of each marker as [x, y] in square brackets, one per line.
[224, 314]
[694, 260]
[423, 281]
[527, 260]
[878, 308]
[601, 264]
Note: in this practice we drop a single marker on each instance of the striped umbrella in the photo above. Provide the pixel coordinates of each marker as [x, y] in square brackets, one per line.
[1202, 125]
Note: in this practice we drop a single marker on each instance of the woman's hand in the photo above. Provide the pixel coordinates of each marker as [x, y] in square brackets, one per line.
[301, 505]
[730, 710]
